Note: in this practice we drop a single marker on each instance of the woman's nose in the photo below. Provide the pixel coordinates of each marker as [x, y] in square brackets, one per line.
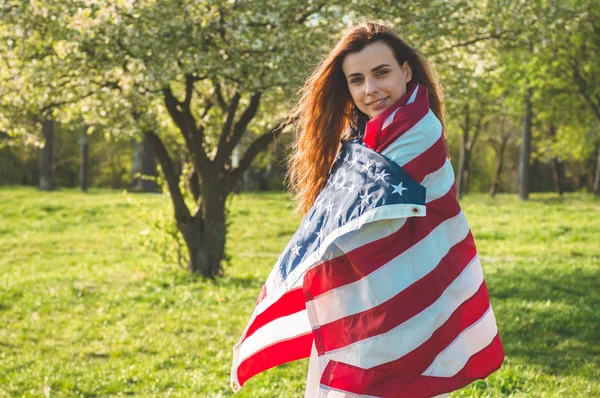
[371, 86]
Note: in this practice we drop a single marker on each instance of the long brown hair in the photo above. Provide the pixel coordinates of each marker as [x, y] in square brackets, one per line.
[326, 109]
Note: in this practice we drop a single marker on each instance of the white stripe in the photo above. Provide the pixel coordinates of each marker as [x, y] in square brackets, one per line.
[413, 95]
[438, 183]
[390, 118]
[411, 334]
[472, 340]
[369, 233]
[415, 140]
[393, 277]
[280, 329]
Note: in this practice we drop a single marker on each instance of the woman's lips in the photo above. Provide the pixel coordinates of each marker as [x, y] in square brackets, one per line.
[377, 104]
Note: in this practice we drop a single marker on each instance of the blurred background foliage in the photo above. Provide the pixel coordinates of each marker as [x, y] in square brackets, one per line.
[98, 70]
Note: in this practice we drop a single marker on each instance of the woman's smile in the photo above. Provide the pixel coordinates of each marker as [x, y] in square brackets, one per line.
[377, 103]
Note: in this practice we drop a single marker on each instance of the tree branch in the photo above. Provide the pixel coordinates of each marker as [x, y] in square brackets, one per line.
[182, 213]
[219, 97]
[583, 87]
[79, 98]
[227, 123]
[259, 145]
[172, 104]
[239, 129]
[499, 35]
[189, 89]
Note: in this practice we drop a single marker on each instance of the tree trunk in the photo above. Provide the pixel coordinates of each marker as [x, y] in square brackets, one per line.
[147, 182]
[136, 165]
[468, 142]
[499, 163]
[557, 166]
[597, 176]
[46, 183]
[463, 161]
[464, 189]
[557, 175]
[525, 152]
[143, 172]
[205, 236]
[204, 232]
[83, 160]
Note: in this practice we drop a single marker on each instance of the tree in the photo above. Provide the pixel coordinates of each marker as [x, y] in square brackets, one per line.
[215, 72]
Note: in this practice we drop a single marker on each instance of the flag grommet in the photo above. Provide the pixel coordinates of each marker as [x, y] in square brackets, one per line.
[415, 210]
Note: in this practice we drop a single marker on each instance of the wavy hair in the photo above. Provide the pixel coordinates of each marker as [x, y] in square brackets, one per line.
[326, 109]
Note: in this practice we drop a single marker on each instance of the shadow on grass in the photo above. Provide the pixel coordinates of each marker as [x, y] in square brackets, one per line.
[550, 318]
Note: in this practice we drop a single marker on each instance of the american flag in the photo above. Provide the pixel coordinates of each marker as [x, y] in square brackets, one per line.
[382, 276]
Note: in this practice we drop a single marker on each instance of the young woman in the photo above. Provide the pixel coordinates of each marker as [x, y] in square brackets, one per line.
[381, 286]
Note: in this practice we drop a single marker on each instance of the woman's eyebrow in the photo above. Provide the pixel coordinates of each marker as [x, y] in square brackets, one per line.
[375, 69]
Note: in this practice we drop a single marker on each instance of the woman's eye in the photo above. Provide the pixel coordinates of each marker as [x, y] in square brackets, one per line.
[355, 80]
[381, 72]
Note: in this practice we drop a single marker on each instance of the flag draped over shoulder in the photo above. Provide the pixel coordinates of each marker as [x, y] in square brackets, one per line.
[383, 274]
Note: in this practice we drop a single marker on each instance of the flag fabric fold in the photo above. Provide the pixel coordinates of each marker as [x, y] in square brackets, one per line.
[382, 276]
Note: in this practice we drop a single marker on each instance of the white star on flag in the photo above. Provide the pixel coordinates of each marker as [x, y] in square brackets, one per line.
[347, 157]
[352, 188]
[296, 250]
[365, 166]
[306, 225]
[318, 204]
[365, 198]
[329, 207]
[399, 188]
[381, 175]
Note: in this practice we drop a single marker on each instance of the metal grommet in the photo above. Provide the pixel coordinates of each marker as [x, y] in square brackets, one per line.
[415, 210]
[234, 385]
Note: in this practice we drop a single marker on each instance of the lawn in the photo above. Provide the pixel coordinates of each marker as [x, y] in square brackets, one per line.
[86, 311]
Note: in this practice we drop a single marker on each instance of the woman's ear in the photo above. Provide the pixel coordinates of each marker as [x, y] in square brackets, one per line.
[408, 70]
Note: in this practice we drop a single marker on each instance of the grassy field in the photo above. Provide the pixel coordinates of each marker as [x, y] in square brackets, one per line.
[85, 312]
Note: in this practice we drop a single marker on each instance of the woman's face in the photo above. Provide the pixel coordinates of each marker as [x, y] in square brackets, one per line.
[375, 78]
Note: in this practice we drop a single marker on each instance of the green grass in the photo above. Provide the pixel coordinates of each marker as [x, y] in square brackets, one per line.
[85, 312]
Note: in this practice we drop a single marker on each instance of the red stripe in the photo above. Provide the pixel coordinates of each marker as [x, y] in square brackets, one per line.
[363, 260]
[276, 354]
[430, 160]
[290, 303]
[404, 305]
[403, 373]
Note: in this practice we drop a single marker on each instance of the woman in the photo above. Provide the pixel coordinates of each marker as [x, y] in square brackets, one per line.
[381, 284]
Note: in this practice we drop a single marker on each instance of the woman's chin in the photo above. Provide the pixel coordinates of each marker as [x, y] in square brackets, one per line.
[373, 113]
